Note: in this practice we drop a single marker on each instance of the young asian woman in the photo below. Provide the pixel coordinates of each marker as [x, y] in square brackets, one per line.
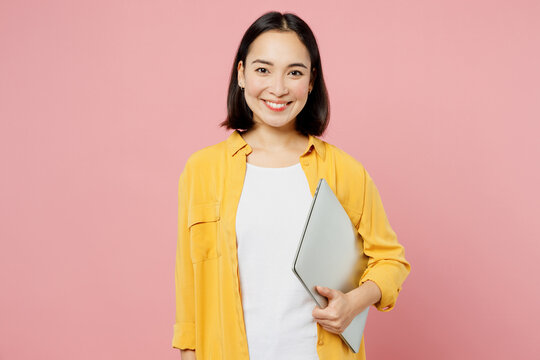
[242, 204]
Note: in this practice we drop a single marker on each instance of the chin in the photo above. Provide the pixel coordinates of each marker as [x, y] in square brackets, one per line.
[276, 124]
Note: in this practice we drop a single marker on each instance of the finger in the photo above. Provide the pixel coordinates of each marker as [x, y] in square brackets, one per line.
[326, 292]
[319, 314]
[324, 314]
[329, 326]
[334, 326]
[332, 330]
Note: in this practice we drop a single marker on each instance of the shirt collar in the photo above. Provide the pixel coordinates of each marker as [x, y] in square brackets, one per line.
[235, 142]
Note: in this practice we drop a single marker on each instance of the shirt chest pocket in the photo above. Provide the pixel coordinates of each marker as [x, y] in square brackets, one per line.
[203, 220]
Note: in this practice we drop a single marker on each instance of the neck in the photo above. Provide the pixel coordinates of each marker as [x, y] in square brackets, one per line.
[272, 138]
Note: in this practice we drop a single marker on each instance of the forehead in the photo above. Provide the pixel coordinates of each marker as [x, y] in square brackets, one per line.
[278, 47]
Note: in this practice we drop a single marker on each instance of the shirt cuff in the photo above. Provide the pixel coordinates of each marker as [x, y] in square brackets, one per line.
[184, 336]
[389, 289]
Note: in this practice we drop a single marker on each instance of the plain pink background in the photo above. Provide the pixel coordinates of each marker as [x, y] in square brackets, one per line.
[101, 102]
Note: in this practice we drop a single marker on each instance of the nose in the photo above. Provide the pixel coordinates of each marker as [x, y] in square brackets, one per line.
[278, 86]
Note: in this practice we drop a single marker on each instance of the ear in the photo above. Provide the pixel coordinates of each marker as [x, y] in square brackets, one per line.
[312, 78]
[240, 70]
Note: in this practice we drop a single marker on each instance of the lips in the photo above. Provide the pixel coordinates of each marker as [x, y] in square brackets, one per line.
[276, 105]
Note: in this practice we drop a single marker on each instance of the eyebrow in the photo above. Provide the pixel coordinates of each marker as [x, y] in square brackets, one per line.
[271, 64]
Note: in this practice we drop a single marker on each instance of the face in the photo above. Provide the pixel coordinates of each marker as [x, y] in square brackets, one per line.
[276, 78]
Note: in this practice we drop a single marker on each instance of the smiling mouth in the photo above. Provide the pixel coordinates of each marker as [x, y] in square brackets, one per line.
[276, 106]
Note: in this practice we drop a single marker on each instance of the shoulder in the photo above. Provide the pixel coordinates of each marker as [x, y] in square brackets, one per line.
[207, 155]
[350, 179]
[204, 161]
[343, 160]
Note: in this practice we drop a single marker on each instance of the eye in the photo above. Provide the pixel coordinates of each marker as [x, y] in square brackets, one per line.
[261, 70]
[296, 73]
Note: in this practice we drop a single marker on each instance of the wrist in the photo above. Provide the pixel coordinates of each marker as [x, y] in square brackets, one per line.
[364, 296]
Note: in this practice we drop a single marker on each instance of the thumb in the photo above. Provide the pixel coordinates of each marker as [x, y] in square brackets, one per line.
[326, 292]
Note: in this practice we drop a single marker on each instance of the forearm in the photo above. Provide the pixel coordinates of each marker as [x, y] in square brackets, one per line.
[364, 296]
[187, 354]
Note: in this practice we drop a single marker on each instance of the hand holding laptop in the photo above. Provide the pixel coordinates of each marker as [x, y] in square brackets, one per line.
[342, 307]
[330, 254]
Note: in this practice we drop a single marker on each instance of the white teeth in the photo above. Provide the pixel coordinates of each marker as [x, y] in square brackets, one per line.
[276, 106]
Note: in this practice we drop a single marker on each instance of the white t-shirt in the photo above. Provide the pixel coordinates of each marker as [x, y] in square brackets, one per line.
[277, 309]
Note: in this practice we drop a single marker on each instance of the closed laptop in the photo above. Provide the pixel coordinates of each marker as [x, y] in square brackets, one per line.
[330, 253]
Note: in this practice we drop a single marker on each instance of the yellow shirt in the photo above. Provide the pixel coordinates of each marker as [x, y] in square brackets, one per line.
[209, 315]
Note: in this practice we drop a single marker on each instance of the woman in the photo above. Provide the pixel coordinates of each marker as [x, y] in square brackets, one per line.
[242, 204]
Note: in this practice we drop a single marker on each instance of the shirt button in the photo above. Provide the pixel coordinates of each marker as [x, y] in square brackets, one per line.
[320, 342]
[306, 163]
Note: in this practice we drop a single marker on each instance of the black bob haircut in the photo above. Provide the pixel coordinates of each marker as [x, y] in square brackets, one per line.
[313, 118]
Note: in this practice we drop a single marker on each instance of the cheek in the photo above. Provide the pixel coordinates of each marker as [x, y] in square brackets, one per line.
[254, 86]
[252, 91]
[300, 90]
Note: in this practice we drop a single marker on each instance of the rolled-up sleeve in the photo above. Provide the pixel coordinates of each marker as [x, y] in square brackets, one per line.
[184, 326]
[387, 266]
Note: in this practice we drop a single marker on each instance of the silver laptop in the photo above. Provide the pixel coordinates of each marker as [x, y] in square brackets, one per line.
[330, 254]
